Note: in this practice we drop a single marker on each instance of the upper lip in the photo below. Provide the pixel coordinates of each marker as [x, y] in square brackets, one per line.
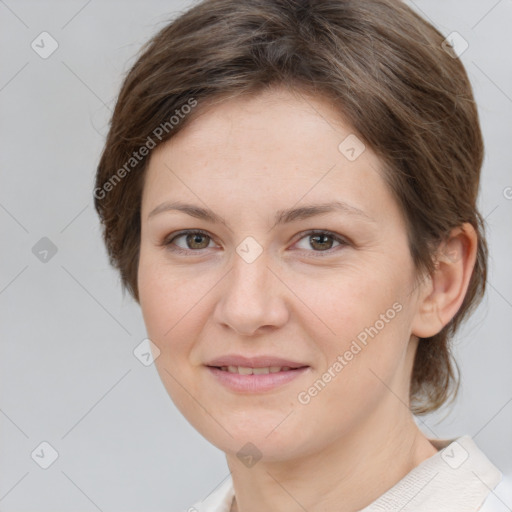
[254, 362]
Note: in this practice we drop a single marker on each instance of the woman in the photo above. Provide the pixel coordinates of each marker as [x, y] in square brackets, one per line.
[288, 189]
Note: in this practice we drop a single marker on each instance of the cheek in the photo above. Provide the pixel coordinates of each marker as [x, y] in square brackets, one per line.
[369, 320]
[175, 307]
[171, 316]
[361, 363]
[165, 299]
[354, 302]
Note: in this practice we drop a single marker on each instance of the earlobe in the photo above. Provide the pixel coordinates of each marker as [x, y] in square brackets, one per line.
[442, 294]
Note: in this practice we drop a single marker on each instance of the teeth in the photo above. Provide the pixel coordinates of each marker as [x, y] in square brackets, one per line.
[259, 371]
[243, 370]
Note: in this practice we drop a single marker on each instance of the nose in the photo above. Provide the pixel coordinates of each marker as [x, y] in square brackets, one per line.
[252, 298]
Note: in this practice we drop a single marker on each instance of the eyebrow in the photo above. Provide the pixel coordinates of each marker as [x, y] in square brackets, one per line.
[281, 217]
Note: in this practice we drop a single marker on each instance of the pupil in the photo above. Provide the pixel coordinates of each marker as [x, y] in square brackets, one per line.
[196, 239]
[324, 237]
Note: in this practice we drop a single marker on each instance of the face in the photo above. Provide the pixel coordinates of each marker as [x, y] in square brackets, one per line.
[329, 289]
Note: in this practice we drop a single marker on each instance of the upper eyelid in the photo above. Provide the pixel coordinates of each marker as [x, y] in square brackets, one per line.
[185, 232]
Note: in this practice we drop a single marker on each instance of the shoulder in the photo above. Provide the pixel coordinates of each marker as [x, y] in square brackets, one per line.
[500, 498]
[458, 477]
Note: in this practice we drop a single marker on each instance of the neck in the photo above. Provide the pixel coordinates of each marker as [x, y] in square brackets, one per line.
[346, 476]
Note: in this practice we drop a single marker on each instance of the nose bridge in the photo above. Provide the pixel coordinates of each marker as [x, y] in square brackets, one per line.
[250, 298]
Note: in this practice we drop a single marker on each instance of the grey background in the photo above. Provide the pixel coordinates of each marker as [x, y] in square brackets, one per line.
[68, 374]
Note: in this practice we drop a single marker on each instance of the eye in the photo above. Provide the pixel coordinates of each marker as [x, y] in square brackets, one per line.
[322, 241]
[194, 241]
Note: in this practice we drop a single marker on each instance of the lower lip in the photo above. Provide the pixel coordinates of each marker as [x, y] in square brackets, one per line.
[255, 383]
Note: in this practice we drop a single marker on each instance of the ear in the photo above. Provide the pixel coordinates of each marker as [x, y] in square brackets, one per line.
[443, 292]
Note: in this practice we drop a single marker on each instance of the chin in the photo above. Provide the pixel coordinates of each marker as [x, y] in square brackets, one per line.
[270, 435]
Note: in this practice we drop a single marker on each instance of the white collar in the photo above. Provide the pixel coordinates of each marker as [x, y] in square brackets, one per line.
[458, 478]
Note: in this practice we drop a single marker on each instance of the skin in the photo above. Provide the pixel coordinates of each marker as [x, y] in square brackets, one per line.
[246, 158]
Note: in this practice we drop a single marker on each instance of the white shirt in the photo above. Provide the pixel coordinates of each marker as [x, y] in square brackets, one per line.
[458, 478]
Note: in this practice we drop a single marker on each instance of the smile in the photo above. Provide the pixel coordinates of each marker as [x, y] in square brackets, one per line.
[255, 380]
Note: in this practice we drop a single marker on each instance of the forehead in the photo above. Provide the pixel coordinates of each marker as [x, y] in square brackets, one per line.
[276, 148]
[277, 120]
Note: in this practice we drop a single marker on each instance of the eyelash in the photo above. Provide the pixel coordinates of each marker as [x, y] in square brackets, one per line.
[178, 250]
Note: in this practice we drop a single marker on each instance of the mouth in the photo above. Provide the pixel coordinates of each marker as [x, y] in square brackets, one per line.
[253, 380]
[243, 364]
[247, 370]
[257, 374]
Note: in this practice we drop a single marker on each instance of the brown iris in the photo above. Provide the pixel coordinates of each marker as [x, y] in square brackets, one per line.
[194, 238]
[321, 244]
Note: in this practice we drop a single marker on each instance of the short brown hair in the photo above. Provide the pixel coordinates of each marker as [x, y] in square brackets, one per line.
[385, 69]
